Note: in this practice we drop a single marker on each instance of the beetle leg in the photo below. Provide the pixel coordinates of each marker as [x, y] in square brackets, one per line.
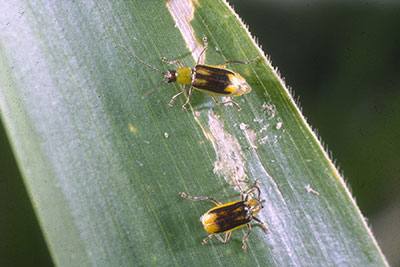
[226, 102]
[172, 61]
[239, 62]
[171, 102]
[239, 185]
[255, 187]
[262, 224]
[227, 236]
[188, 98]
[216, 202]
[245, 237]
[207, 238]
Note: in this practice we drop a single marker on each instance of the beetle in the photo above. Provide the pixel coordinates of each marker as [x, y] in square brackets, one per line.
[215, 80]
[224, 218]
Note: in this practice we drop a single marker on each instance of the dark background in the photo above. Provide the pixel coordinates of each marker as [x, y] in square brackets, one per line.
[342, 61]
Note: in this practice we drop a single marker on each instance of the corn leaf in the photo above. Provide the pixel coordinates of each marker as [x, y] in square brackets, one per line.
[104, 166]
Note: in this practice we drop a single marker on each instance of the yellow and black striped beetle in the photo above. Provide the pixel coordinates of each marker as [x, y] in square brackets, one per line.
[224, 218]
[215, 80]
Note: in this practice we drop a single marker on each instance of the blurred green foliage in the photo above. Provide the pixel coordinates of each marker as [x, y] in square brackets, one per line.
[341, 59]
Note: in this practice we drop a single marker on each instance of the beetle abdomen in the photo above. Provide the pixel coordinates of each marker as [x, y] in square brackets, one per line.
[211, 79]
[226, 217]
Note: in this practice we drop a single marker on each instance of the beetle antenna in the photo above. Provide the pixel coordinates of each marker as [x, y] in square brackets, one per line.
[141, 60]
[151, 90]
[236, 183]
